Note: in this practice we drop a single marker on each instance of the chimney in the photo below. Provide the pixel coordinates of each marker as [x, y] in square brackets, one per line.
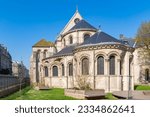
[121, 36]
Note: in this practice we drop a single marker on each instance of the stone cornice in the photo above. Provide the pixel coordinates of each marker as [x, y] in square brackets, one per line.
[95, 47]
[103, 46]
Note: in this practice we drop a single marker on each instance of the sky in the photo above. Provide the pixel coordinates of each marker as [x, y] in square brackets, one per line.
[25, 22]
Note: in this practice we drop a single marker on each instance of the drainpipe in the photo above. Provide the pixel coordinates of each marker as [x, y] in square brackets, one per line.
[94, 69]
[67, 82]
[109, 83]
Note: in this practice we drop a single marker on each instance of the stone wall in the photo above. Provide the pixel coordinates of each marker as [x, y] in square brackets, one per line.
[11, 84]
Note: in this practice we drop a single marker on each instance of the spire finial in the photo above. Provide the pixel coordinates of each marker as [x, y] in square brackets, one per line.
[76, 8]
[99, 28]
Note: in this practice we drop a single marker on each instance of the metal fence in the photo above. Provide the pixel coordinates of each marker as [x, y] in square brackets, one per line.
[9, 81]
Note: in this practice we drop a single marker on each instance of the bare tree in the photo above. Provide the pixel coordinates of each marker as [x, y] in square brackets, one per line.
[143, 40]
[21, 74]
[83, 83]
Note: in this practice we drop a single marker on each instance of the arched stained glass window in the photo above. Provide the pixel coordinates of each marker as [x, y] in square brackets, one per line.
[46, 71]
[85, 66]
[100, 65]
[63, 70]
[55, 71]
[70, 39]
[70, 69]
[112, 65]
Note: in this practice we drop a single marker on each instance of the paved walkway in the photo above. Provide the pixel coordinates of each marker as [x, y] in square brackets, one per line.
[136, 95]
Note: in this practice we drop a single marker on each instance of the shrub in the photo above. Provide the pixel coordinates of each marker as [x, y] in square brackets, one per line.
[83, 83]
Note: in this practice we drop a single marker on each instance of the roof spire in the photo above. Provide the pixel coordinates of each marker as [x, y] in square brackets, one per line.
[76, 8]
[99, 28]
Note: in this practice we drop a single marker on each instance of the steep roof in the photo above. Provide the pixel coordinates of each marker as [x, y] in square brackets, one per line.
[101, 37]
[82, 24]
[44, 43]
[128, 41]
[66, 51]
[71, 22]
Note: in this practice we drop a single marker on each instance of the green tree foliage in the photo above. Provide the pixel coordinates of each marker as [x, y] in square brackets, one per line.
[143, 39]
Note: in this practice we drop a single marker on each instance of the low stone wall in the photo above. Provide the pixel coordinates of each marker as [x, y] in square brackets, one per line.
[84, 94]
[11, 90]
[10, 84]
[80, 94]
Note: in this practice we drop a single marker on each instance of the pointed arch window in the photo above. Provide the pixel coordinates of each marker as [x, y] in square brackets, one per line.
[55, 71]
[63, 70]
[112, 65]
[85, 66]
[100, 65]
[70, 69]
[70, 39]
[86, 36]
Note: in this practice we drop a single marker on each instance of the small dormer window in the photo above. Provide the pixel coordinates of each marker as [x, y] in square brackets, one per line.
[76, 20]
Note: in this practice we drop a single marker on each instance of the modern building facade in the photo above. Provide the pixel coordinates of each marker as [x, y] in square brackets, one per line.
[83, 52]
[5, 61]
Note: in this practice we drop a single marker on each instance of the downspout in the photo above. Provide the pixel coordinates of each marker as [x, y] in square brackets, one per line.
[94, 69]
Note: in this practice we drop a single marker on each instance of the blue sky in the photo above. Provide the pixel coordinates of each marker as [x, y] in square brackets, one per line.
[24, 22]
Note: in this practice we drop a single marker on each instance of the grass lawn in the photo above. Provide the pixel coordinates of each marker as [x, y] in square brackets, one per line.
[141, 87]
[109, 96]
[29, 93]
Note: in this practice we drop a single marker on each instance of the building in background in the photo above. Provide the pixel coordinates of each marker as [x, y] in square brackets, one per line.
[5, 61]
[19, 70]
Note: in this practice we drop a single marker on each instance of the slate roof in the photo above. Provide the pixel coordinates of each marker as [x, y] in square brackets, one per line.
[98, 38]
[44, 43]
[129, 41]
[65, 51]
[82, 24]
[101, 37]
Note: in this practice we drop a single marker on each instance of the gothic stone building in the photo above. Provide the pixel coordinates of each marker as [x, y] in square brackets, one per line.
[83, 52]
